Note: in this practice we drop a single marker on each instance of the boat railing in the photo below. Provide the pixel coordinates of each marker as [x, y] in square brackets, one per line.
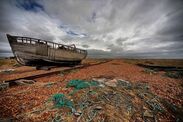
[50, 44]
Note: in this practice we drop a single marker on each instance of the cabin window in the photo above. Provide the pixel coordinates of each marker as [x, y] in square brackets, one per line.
[41, 42]
[56, 46]
[66, 47]
[61, 47]
[28, 41]
[24, 41]
[50, 44]
[33, 42]
[19, 40]
[78, 50]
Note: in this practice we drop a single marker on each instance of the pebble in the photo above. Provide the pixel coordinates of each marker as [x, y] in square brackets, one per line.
[148, 113]
[98, 108]
[101, 85]
[111, 83]
[100, 80]
[77, 113]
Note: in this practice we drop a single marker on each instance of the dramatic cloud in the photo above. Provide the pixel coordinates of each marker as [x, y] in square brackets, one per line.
[106, 28]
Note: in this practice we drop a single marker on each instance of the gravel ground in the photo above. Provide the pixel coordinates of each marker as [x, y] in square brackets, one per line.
[21, 99]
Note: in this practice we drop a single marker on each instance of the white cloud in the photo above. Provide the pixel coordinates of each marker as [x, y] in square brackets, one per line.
[117, 26]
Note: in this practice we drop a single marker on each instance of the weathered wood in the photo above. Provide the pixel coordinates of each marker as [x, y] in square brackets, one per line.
[28, 49]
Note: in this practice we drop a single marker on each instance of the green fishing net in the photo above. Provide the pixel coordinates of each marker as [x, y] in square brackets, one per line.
[81, 84]
[61, 101]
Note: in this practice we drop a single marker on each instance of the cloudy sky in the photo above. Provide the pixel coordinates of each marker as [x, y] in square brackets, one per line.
[106, 28]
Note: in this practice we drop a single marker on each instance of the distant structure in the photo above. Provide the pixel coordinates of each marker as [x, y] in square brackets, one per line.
[31, 51]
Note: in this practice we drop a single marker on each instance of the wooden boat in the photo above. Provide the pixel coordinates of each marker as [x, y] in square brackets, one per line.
[31, 51]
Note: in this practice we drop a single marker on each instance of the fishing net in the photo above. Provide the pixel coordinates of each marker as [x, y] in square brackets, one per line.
[61, 101]
[81, 84]
[73, 83]
[125, 102]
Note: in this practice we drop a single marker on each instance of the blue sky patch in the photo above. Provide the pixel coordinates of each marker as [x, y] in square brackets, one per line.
[29, 5]
[71, 32]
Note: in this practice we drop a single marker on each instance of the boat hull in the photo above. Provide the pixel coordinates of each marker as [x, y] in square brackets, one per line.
[29, 51]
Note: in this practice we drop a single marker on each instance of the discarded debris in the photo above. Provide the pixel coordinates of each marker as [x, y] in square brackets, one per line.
[149, 71]
[155, 105]
[49, 84]
[78, 113]
[143, 86]
[57, 118]
[149, 116]
[43, 67]
[127, 101]
[8, 71]
[103, 99]
[24, 82]
[100, 80]
[174, 74]
[176, 110]
[148, 113]
[124, 84]
[91, 101]
[111, 83]
[62, 73]
[98, 108]
[4, 86]
[6, 119]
